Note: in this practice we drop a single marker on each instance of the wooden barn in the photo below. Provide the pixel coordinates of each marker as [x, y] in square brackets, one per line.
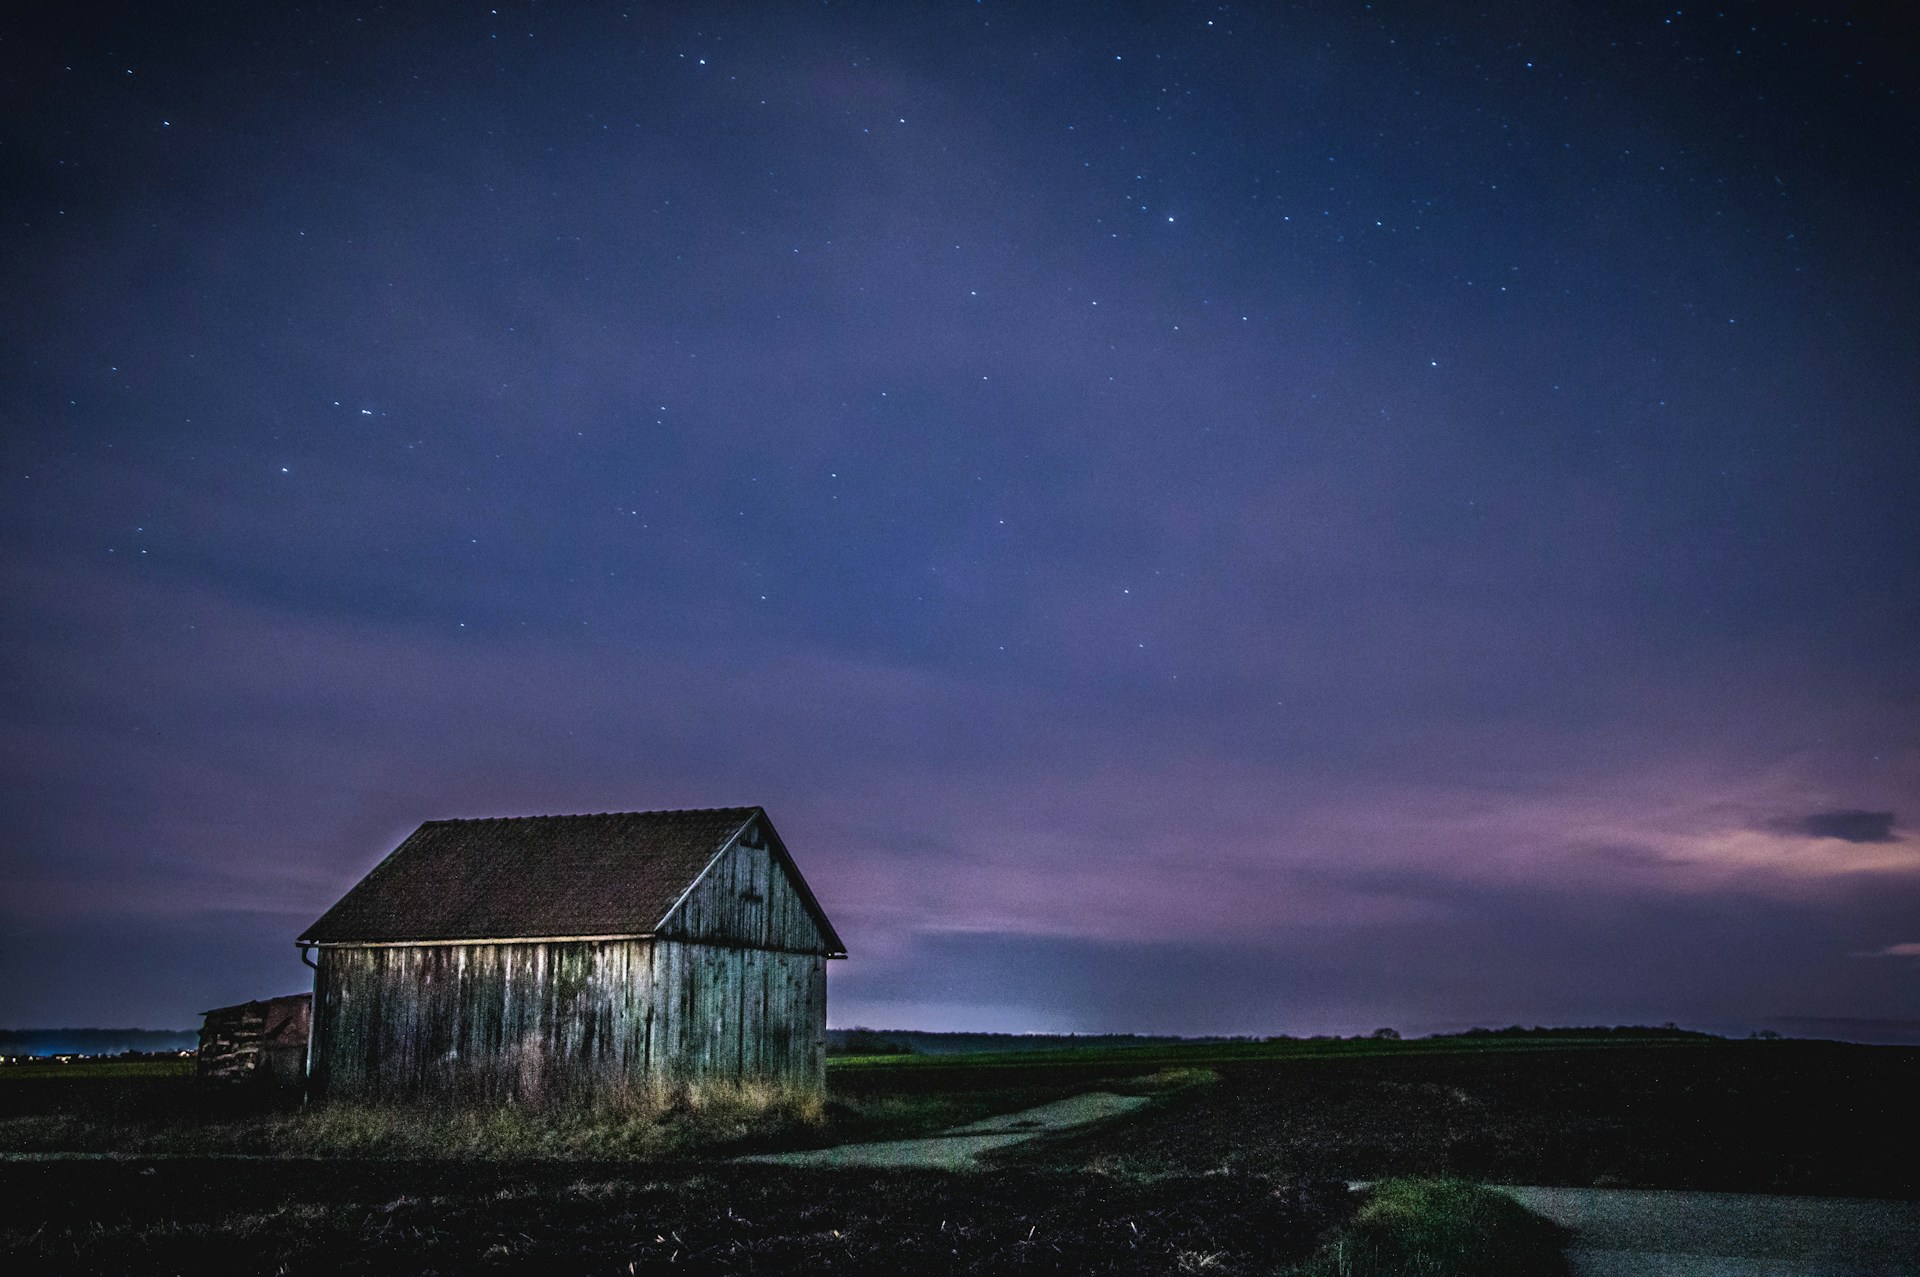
[552, 959]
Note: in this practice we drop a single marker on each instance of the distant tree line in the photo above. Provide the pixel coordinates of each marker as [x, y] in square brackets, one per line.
[865, 1041]
[1667, 1030]
[96, 1041]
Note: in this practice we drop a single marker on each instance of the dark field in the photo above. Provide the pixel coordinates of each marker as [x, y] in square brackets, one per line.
[1778, 1117]
[1236, 1168]
[446, 1217]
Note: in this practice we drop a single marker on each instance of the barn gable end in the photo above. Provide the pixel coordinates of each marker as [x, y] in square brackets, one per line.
[752, 894]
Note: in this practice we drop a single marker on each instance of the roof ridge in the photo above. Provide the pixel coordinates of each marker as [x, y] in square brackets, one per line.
[587, 815]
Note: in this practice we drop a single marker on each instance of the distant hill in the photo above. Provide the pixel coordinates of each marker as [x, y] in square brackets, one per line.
[865, 1041]
[95, 1041]
[1843, 1029]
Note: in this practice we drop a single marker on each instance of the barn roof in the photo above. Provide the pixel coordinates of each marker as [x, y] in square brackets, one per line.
[545, 877]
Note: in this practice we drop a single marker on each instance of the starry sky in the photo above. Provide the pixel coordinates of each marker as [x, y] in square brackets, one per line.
[1191, 517]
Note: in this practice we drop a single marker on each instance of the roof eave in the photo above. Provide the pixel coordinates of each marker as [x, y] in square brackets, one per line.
[308, 942]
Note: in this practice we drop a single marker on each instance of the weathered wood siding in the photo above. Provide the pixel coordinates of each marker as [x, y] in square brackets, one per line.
[544, 1022]
[746, 898]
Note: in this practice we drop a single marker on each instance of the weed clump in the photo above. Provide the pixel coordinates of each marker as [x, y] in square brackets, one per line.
[1176, 1079]
[1439, 1228]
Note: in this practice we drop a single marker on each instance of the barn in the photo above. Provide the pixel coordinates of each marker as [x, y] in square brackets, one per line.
[561, 959]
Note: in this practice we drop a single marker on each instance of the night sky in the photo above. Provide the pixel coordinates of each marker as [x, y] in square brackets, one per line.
[1191, 518]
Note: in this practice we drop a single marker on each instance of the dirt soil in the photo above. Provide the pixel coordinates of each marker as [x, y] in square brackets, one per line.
[370, 1218]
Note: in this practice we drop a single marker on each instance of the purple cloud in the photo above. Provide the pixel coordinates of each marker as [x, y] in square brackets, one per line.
[1847, 826]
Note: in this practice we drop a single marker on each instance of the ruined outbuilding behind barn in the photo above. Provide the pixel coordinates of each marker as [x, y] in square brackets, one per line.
[260, 1041]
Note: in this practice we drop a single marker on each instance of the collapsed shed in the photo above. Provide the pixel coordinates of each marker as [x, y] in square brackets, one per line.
[261, 1041]
[565, 958]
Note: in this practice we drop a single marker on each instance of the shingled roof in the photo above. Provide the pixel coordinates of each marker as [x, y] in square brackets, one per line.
[550, 877]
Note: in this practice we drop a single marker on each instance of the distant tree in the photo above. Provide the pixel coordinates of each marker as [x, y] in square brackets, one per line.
[1386, 1035]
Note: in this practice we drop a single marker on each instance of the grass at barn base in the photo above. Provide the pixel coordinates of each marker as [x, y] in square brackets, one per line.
[647, 1125]
[644, 1126]
[1439, 1228]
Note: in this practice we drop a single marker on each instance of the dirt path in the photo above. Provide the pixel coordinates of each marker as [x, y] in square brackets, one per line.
[1647, 1233]
[960, 1148]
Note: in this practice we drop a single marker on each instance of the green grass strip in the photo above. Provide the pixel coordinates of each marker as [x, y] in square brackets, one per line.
[1439, 1228]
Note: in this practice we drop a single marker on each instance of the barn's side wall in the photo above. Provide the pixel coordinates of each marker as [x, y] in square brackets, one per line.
[562, 1021]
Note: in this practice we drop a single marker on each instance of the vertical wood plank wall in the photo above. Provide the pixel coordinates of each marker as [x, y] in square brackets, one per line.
[734, 988]
[563, 1021]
